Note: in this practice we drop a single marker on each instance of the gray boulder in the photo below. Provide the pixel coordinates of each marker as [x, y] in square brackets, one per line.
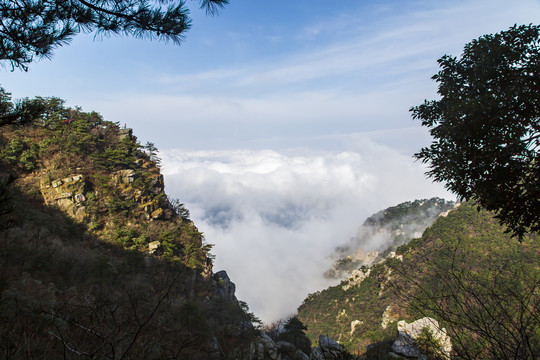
[330, 349]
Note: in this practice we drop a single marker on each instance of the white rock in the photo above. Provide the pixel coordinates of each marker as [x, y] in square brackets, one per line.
[407, 341]
[388, 316]
[354, 324]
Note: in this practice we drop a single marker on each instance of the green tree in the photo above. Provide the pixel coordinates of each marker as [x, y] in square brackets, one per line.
[294, 333]
[34, 28]
[179, 208]
[22, 111]
[486, 126]
[6, 203]
[152, 152]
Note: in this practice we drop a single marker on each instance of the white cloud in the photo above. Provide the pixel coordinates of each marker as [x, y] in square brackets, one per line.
[275, 217]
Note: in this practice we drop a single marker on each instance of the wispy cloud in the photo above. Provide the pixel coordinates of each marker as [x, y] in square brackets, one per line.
[361, 72]
[393, 46]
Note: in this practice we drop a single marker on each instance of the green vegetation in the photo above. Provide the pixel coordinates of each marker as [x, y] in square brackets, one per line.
[417, 211]
[350, 315]
[62, 142]
[465, 271]
[485, 126]
[294, 334]
[96, 262]
[406, 219]
[482, 286]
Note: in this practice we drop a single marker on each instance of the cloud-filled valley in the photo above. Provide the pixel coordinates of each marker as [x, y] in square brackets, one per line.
[275, 217]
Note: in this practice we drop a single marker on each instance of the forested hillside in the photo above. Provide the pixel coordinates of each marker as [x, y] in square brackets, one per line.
[465, 272]
[383, 232]
[96, 261]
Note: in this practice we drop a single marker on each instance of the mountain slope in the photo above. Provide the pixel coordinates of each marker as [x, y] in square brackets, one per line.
[384, 232]
[480, 284]
[95, 260]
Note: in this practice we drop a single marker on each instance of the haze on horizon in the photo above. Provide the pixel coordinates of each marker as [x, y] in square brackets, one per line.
[281, 125]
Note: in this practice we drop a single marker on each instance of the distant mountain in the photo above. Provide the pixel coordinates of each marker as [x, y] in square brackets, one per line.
[384, 232]
[464, 274]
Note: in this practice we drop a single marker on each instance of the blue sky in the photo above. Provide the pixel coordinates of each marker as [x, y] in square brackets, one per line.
[272, 73]
[282, 124]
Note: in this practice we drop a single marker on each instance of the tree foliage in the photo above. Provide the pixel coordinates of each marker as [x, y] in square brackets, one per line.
[34, 28]
[294, 333]
[21, 112]
[486, 126]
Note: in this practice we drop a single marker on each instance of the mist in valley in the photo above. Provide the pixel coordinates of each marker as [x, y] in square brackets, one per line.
[276, 217]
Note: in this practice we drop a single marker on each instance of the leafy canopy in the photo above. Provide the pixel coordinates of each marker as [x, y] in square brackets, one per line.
[486, 126]
[33, 28]
[21, 112]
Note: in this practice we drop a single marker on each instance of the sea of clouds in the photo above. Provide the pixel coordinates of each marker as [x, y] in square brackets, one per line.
[275, 217]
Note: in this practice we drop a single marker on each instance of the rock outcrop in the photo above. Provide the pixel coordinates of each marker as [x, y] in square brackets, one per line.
[389, 229]
[390, 314]
[266, 349]
[356, 278]
[329, 349]
[225, 287]
[67, 193]
[426, 332]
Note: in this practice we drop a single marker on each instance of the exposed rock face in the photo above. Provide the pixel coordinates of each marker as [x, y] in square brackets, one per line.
[356, 278]
[123, 177]
[289, 351]
[388, 229]
[410, 335]
[67, 194]
[264, 348]
[346, 265]
[366, 258]
[225, 287]
[316, 354]
[390, 314]
[123, 133]
[328, 349]
[153, 246]
[153, 207]
[354, 324]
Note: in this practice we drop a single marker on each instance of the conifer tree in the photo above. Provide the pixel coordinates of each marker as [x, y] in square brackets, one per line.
[34, 28]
